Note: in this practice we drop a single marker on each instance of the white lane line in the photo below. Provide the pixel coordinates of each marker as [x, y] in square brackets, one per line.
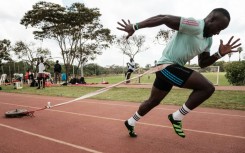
[104, 103]
[124, 105]
[50, 139]
[155, 125]
[149, 124]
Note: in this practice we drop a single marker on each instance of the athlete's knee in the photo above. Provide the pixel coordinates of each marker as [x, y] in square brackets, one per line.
[209, 89]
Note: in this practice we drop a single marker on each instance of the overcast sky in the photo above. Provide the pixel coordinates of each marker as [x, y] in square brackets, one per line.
[112, 11]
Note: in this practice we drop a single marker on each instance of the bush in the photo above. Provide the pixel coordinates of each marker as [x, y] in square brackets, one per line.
[235, 73]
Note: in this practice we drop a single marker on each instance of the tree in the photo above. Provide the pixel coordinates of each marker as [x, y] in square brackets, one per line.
[131, 47]
[239, 49]
[163, 36]
[221, 65]
[5, 51]
[235, 73]
[28, 53]
[75, 28]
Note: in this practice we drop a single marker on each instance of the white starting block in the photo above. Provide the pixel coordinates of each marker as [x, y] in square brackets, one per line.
[18, 85]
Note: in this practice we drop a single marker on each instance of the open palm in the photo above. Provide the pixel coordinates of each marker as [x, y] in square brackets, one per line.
[229, 47]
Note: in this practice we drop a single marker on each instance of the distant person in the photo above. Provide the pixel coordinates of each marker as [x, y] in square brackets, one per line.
[27, 76]
[57, 72]
[131, 68]
[41, 68]
[192, 38]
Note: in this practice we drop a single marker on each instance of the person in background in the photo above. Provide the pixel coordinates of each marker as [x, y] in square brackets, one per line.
[27, 76]
[57, 72]
[41, 68]
[131, 68]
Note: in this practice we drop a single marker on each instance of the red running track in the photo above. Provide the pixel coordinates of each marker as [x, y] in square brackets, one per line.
[98, 126]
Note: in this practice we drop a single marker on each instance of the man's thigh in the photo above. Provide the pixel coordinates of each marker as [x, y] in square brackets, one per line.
[174, 75]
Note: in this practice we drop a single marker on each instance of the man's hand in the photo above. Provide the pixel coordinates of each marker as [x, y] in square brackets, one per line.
[229, 47]
[127, 27]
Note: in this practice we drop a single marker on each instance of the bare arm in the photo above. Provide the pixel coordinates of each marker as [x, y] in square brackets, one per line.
[170, 21]
[205, 59]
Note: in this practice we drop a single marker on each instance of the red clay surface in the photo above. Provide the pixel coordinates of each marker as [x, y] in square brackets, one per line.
[98, 126]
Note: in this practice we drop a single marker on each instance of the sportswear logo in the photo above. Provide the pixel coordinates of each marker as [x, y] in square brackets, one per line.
[190, 22]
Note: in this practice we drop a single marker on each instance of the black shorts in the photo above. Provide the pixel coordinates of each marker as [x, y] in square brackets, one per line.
[172, 75]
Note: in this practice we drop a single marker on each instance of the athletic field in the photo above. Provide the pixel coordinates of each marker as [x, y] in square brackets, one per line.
[92, 125]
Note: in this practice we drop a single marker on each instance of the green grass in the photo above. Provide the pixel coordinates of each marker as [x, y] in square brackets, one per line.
[220, 99]
[150, 78]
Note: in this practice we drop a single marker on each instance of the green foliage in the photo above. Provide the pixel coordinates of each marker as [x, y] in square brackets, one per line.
[235, 73]
[221, 65]
[28, 54]
[163, 36]
[4, 50]
[131, 47]
[77, 30]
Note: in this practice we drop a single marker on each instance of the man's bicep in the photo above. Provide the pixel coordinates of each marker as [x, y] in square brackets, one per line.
[172, 22]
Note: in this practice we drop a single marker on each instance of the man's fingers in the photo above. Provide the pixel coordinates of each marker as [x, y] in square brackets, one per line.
[235, 42]
[120, 24]
[125, 23]
[221, 42]
[230, 40]
[121, 29]
[129, 22]
[234, 51]
[236, 46]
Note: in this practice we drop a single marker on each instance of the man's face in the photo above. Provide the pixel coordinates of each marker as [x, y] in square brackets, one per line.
[215, 24]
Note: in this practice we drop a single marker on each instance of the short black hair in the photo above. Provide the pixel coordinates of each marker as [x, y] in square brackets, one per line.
[223, 11]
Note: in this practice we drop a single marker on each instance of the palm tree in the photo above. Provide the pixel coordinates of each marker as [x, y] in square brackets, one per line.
[239, 49]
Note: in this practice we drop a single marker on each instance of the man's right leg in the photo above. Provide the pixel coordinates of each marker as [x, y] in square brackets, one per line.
[38, 82]
[159, 90]
[59, 77]
[55, 77]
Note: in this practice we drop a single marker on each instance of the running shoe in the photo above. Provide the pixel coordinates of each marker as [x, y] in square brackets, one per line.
[177, 125]
[130, 129]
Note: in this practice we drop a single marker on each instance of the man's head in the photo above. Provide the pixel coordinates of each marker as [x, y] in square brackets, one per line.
[57, 61]
[41, 59]
[131, 59]
[217, 20]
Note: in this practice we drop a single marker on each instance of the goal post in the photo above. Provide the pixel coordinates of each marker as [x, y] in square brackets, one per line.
[210, 72]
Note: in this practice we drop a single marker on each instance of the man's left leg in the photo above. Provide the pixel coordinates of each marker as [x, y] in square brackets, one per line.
[202, 90]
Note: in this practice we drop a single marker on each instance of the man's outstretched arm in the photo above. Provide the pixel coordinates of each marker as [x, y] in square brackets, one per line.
[205, 59]
[170, 21]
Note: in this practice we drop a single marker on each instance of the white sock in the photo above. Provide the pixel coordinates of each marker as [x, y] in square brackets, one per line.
[132, 121]
[179, 114]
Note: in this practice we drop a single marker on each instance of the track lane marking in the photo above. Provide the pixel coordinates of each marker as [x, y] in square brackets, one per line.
[169, 109]
[143, 123]
[50, 139]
